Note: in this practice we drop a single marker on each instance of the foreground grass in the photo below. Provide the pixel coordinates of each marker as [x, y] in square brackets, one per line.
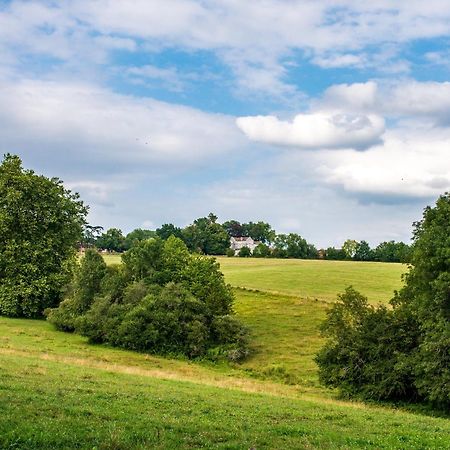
[56, 391]
[314, 278]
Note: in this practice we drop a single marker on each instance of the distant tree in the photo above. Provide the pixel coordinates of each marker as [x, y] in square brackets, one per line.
[168, 229]
[206, 236]
[336, 254]
[112, 240]
[259, 231]
[349, 247]
[233, 228]
[41, 224]
[363, 252]
[261, 251]
[90, 235]
[244, 252]
[392, 252]
[137, 235]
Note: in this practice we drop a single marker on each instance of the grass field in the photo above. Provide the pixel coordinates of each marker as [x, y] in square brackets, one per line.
[314, 278]
[309, 278]
[57, 391]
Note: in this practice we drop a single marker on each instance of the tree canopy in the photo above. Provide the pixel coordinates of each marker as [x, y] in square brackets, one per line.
[41, 223]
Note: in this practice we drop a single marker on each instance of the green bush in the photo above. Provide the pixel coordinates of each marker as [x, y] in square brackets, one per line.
[401, 353]
[230, 252]
[162, 300]
[244, 252]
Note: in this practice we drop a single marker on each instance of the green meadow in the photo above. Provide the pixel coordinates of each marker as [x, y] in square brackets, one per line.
[58, 391]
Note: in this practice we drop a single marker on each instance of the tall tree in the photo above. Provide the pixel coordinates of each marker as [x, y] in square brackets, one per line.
[41, 223]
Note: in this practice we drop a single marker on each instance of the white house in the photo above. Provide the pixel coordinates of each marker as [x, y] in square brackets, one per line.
[236, 243]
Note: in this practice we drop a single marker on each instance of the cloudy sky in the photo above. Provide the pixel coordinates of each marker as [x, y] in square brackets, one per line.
[329, 118]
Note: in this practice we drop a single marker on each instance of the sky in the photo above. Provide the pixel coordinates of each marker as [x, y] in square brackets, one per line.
[327, 118]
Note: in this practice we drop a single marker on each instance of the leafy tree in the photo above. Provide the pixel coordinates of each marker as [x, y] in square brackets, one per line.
[349, 247]
[363, 252]
[113, 240]
[336, 254]
[168, 229]
[392, 252]
[137, 235]
[259, 231]
[206, 236]
[233, 228]
[41, 223]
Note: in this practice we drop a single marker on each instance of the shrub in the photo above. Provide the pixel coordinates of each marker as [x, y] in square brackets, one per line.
[244, 252]
[230, 252]
[400, 353]
[162, 300]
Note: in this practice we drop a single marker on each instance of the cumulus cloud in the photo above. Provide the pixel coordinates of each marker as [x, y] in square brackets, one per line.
[407, 163]
[316, 130]
[401, 98]
[79, 121]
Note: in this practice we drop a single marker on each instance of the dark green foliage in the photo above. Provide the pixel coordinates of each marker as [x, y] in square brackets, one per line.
[166, 230]
[40, 226]
[261, 251]
[363, 252]
[259, 231]
[404, 352]
[392, 252]
[161, 300]
[335, 254]
[85, 286]
[137, 235]
[364, 352]
[230, 252]
[112, 240]
[293, 245]
[244, 252]
[206, 236]
[233, 228]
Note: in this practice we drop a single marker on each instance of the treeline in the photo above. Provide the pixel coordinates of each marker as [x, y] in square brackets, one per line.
[209, 237]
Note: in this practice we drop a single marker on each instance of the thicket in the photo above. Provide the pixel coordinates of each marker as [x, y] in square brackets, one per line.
[402, 352]
[162, 299]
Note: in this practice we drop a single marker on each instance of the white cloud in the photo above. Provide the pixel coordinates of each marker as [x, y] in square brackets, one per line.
[60, 118]
[408, 163]
[402, 98]
[316, 130]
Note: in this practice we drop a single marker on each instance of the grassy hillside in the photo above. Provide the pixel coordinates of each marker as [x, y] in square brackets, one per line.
[58, 392]
[314, 278]
[310, 278]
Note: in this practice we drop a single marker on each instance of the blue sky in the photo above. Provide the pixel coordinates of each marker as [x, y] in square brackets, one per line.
[327, 118]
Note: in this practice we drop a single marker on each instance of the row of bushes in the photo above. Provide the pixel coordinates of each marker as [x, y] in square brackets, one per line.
[160, 300]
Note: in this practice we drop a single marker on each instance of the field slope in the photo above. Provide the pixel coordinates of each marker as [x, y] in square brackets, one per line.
[57, 391]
